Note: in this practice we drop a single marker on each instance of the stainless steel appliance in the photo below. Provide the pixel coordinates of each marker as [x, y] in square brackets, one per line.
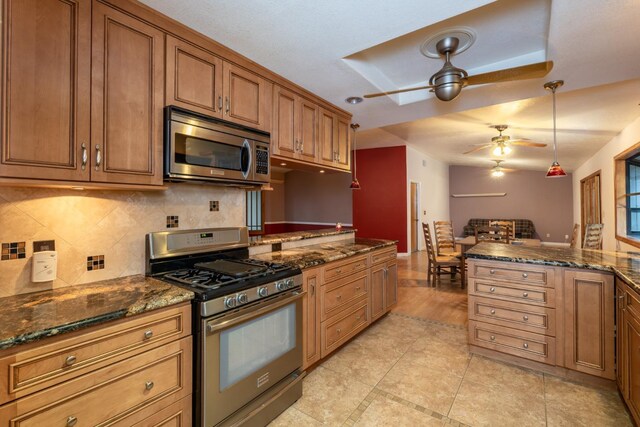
[247, 323]
[201, 148]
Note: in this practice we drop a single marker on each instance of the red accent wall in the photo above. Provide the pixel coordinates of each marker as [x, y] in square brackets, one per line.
[380, 206]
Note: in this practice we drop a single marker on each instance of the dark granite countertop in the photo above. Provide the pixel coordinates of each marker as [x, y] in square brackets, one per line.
[270, 239]
[623, 265]
[309, 256]
[30, 317]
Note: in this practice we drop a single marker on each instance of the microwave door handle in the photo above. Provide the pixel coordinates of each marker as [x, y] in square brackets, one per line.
[216, 325]
[246, 154]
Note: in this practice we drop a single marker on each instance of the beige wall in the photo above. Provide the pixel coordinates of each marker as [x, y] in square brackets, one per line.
[603, 161]
[109, 223]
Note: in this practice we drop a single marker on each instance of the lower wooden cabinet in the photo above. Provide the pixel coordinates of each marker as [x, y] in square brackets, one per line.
[384, 282]
[122, 391]
[311, 280]
[628, 347]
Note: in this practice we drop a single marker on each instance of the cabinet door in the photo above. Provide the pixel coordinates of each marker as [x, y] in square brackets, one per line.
[45, 88]
[620, 359]
[194, 78]
[127, 98]
[284, 133]
[311, 280]
[377, 291]
[391, 286]
[327, 135]
[247, 97]
[343, 143]
[589, 323]
[308, 130]
[631, 334]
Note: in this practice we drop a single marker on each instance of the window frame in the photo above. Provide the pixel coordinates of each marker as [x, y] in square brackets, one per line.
[261, 231]
[622, 209]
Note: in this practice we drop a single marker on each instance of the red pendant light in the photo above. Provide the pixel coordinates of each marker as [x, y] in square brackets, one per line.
[555, 170]
[355, 184]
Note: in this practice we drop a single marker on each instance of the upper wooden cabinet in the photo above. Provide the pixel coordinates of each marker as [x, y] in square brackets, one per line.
[127, 98]
[247, 97]
[295, 126]
[335, 140]
[45, 88]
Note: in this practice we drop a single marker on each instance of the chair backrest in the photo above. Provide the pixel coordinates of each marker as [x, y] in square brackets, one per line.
[575, 235]
[493, 234]
[505, 223]
[593, 236]
[445, 242]
[427, 239]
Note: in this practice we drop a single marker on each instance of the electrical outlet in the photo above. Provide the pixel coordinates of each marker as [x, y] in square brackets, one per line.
[214, 206]
[566, 237]
[548, 235]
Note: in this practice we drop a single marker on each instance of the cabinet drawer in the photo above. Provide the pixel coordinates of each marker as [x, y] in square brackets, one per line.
[525, 317]
[110, 394]
[383, 255]
[514, 272]
[343, 268]
[175, 415]
[528, 345]
[339, 330]
[33, 370]
[336, 296]
[632, 303]
[513, 292]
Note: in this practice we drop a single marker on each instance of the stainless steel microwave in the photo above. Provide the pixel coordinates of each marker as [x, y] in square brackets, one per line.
[200, 148]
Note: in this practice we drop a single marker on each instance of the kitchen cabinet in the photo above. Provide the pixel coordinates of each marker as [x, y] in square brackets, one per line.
[83, 102]
[335, 140]
[311, 280]
[384, 282]
[247, 97]
[295, 126]
[121, 373]
[628, 347]
[589, 322]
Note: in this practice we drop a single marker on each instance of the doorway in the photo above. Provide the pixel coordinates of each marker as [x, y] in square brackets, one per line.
[590, 211]
[415, 217]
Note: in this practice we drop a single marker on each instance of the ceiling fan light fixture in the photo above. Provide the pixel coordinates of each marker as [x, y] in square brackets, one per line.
[497, 171]
[555, 170]
[501, 150]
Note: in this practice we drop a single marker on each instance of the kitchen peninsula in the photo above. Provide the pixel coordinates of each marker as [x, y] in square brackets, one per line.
[570, 312]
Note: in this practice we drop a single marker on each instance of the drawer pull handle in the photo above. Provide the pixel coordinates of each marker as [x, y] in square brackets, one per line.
[492, 289]
[525, 345]
[338, 331]
[525, 294]
[359, 317]
[525, 318]
[148, 334]
[525, 275]
[492, 271]
[338, 271]
[357, 288]
[70, 360]
[149, 385]
[338, 297]
[492, 337]
[493, 311]
[71, 421]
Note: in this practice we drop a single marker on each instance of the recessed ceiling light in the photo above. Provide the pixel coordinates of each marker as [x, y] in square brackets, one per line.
[283, 164]
[77, 188]
[321, 170]
[353, 100]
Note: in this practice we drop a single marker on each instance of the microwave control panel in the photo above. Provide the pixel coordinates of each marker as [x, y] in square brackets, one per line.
[262, 159]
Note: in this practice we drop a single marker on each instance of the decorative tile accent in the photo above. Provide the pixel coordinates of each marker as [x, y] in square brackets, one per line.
[95, 262]
[214, 206]
[13, 250]
[172, 221]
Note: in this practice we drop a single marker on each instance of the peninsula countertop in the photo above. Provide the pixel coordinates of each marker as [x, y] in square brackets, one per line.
[33, 316]
[270, 239]
[624, 266]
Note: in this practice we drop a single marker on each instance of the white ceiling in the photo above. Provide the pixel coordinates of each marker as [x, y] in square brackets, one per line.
[338, 48]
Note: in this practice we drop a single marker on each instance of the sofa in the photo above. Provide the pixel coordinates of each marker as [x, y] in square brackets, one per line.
[524, 227]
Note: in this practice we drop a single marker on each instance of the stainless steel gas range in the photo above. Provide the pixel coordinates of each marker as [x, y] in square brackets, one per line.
[247, 323]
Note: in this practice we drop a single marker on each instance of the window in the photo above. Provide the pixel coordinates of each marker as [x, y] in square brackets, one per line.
[633, 195]
[255, 212]
[627, 190]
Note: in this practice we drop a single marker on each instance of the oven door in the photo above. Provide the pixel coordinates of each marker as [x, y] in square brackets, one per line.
[248, 351]
[197, 152]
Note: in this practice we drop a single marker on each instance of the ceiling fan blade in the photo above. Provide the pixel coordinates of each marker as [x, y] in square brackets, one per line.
[482, 147]
[373, 95]
[524, 72]
[528, 143]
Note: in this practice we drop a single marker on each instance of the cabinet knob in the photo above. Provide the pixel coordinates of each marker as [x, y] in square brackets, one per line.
[357, 288]
[525, 345]
[338, 271]
[525, 275]
[525, 294]
[492, 337]
[492, 271]
[70, 360]
[338, 331]
[338, 297]
[359, 317]
[71, 421]
[492, 289]
[148, 385]
[493, 311]
[525, 318]
[148, 334]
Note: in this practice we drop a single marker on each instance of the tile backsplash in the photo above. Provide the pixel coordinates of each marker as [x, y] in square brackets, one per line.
[109, 223]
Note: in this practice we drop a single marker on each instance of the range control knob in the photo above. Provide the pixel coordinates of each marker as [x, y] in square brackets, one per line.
[263, 291]
[230, 302]
[290, 283]
[281, 286]
[242, 298]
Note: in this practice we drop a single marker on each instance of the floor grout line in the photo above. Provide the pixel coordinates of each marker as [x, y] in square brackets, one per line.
[544, 395]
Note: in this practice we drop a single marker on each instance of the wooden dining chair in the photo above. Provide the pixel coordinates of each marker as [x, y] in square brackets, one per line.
[593, 236]
[445, 241]
[439, 262]
[575, 236]
[493, 234]
[510, 224]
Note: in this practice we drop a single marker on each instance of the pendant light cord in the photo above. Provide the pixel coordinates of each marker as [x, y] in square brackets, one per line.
[555, 146]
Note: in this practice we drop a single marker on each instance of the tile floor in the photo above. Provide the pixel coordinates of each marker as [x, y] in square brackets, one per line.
[405, 371]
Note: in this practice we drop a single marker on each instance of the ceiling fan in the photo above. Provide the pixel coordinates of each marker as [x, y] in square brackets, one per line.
[449, 81]
[501, 143]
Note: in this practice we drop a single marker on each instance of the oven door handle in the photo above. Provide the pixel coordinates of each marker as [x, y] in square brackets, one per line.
[225, 322]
